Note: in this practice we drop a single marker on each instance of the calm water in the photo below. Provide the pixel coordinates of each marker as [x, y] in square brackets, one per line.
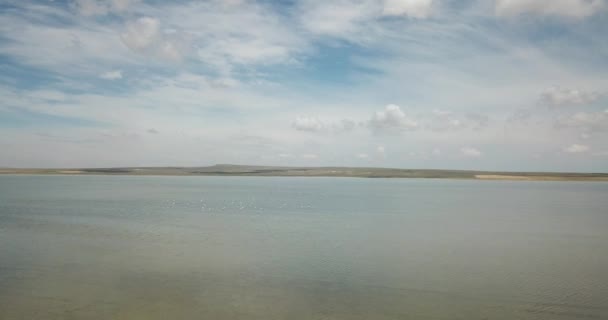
[99, 247]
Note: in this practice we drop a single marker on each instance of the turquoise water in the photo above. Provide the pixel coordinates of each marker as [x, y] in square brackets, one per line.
[125, 247]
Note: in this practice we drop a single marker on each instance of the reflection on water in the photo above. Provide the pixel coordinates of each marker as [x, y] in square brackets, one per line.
[99, 247]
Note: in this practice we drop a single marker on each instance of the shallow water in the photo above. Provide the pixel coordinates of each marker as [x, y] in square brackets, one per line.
[125, 247]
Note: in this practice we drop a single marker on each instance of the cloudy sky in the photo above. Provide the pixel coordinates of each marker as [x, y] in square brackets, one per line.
[462, 84]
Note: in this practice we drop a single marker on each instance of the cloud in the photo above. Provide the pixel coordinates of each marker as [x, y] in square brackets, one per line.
[101, 7]
[111, 75]
[225, 36]
[558, 96]
[477, 121]
[152, 131]
[48, 95]
[308, 124]
[442, 120]
[341, 18]
[411, 8]
[169, 51]
[225, 83]
[576, 148]
[310, 156]
[53, 40]
[141, 34]
[144, 36]
[563, 8]
[313, 124]
[392, 119]
[91, 7]
[345, 125]
[362, 156]
[522, 116]
[122, 5]
[441, 113]
[328, 61]
[470, 152]
[356, 20]
[209, 34]
[589, 121]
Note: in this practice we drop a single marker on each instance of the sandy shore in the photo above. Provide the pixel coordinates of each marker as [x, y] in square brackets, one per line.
[536, 178]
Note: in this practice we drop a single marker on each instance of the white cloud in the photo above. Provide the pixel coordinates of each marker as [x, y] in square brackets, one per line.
[564, 8]
[477, 121]
[219, 35]
[381, 151]
[362, 156]
[141, 34]
[558, 96]
[441, 113]
[357, 20]
[169, 51]
[436, 152]
[410, 8]
[48, 95]
[442, 120]
[313, 124]
[222, 45]
[111, 75]
[308, 124]
[310, 156]
[152, 131]
[336, 18]
[78, 46]
[122, 5]
[101, 7]
[577, 148]
[345, 125]
[91, 7]
[226, 35]
[225, 82]
[252, 51]
[470, 152]
[392, 119]
[589, 121]
[145, 36]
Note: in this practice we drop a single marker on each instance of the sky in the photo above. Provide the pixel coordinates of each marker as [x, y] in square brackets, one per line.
[517, 85]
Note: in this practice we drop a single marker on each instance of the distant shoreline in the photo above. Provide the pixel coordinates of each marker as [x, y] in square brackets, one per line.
[270, 171]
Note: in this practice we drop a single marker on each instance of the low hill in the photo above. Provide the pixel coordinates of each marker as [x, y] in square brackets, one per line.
[361, 172]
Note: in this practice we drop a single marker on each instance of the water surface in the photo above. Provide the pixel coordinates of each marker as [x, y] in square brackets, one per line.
[126, 247]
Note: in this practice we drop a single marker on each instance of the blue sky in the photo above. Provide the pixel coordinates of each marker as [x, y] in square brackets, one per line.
[455, 84]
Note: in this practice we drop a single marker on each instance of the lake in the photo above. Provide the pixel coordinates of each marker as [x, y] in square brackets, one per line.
[151, 247]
